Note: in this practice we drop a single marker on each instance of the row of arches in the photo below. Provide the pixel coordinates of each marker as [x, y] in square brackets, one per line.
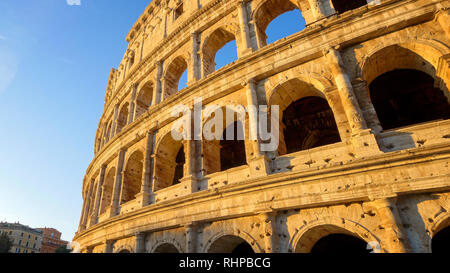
[275, 19]
[326, 239]
[401, 93]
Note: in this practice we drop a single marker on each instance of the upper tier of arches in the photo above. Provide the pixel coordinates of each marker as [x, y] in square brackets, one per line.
[161, 37]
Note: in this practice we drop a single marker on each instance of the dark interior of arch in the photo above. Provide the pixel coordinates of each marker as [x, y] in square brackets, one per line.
[309, 123]
[405, 96]
[166, 248]
[232, 152]
[340, 243]
[231, 244]
[342, 6]
[441, 241]
[132, 177]
[179, 167]
[125, 251]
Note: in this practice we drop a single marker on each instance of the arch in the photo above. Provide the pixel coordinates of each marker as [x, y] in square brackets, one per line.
[232, 147]
[173, 74]
[108, 188]
[122, 119]
[267, 11]
[341, 6]
[125, 249]
[404, 97]
[166, 248]
[227, 240]
[308, 235]
[306, 119]
[339, 243]
[441, 223]
[166, 153]
[144, 99]
[132, 178]
[108, 132]
[213, 43]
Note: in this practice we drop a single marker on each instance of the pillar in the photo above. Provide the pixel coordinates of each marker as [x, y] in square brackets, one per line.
[140, 242]
[253, 105]
[158, 91]
[109, 246]
[146, 185]
[118, 184]
[316, 9]
[348, 98]
[194, 68]
[88, 204]
[443, 17]
[191, 238]
[114, 125]
[270, 235]
[245, 32]
[395, 241]
[132, 105]
[367, 108]
[98, 196]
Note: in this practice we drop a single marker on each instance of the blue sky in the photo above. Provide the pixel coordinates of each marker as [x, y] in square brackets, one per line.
[54, 65]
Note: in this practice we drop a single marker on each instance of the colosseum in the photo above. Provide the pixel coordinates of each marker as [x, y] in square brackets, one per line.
[362, 163]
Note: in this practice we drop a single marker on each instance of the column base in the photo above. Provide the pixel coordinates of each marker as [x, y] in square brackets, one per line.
[364, 144]
[189, 185]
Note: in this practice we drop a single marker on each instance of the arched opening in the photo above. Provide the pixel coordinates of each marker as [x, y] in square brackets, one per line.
[329, 238]
[285, 25]
[174, 73]
[169, 157]
[441, 241]
[232, 151]
[124, 251]
[219, 50]
[166, 248]
[107, 134]
[179, 167]
[132, 178]
[306, 119]
[144, 99]
[341, 6]
[272, 9]
[404, 97]
[340, 243]
[108, 188]
[231, 244]
[122, 120]
[309, 123]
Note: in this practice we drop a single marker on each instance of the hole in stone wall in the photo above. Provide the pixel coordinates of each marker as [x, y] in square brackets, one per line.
[166, 248]
[231, 244]
[179, 168]
[405, 97]
[232, 152]
[309, 123]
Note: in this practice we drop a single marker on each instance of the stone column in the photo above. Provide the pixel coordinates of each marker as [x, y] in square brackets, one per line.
[190, 174]
[270, 235]
[118, 184]
[316, 9]
[191, 238]
[114, 125]
[82, 226]
[157, 92]
[245, 32]
[140, 242]
[88, 203]
[109, 246]
[194, 68]
[367, 108]
[132, 105]
[253, 105]
[98, 196]
[146, 187]
[395, 241]
[348, 98]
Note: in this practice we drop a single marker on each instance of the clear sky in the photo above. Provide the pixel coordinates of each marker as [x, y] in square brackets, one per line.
[54, 65]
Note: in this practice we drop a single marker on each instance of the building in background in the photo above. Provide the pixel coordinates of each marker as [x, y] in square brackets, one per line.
[51, 240]
[24, 238]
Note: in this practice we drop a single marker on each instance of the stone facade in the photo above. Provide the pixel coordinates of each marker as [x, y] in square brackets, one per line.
[365, 168]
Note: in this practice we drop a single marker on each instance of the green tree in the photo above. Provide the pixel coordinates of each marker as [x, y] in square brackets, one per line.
[62, 249]
[5, 243]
